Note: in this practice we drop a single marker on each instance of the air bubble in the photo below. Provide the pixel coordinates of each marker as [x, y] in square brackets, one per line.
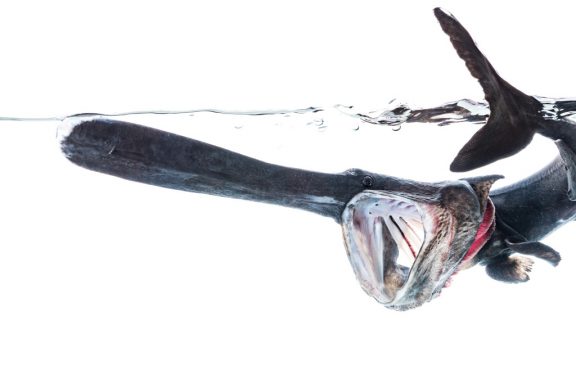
[319, 124]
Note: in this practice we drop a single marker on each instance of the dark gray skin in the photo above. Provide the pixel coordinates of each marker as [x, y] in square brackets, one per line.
[524, 212]
[160, 158]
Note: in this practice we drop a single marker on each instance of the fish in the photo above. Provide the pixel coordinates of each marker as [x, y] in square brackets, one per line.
[405, 239]
[380, 215]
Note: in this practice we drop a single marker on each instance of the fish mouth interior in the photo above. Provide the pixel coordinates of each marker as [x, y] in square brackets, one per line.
[405, 247]
[400, 220]
[384, 235]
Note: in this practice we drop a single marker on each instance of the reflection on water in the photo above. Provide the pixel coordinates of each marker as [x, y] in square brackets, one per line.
[394, 114]
[338, 137]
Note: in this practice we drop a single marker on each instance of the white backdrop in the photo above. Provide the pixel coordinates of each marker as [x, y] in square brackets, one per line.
[104, 280]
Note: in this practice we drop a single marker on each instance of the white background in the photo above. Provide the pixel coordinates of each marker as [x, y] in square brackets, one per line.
[104, 280]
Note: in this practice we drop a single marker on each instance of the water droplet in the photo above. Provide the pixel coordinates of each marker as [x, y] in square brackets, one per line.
[319, 124]
[356, 128]
[397, 128]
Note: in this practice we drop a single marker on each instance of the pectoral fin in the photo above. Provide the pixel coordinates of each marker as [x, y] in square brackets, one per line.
[515, 268]
[536, 249]
[510, 269]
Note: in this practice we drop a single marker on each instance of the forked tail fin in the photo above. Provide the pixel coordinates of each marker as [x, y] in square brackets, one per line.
[514, 116]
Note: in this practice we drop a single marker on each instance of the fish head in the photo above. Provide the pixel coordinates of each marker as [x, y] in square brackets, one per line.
[406, 241]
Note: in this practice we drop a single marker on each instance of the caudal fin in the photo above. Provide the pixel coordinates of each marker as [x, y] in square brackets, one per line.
[514, 116]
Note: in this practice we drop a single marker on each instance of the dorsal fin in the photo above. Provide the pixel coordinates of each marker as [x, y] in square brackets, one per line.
[513, 115]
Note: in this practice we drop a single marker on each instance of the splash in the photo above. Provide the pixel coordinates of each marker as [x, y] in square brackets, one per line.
[393, 115]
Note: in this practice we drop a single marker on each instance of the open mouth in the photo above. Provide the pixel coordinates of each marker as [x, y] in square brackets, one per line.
[385, 224]
[384, 236]
[404, 249]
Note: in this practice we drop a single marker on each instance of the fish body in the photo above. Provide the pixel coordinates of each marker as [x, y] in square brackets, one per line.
[379, 214]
